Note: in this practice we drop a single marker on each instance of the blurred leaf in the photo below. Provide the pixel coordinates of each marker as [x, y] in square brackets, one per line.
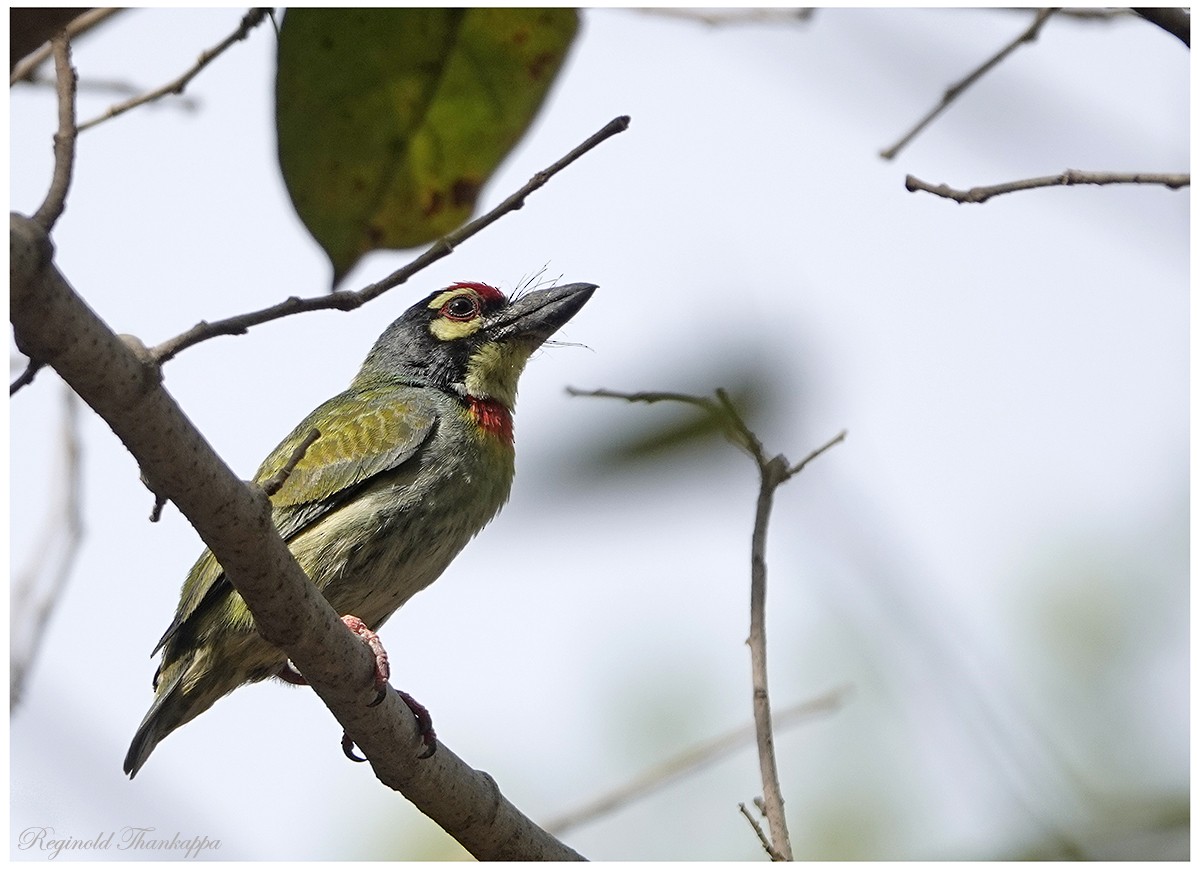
[390, 120]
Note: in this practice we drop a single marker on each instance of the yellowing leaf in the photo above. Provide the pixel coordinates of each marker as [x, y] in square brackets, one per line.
[391, 120]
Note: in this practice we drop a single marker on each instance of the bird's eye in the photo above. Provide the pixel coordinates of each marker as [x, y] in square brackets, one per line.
[461, 308]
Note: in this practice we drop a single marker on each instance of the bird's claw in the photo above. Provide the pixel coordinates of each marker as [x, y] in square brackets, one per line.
[348, 749]
[424, 724]
[382, 672]
[424, 727]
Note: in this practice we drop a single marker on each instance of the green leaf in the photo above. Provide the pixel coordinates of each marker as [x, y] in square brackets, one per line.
[391, 120]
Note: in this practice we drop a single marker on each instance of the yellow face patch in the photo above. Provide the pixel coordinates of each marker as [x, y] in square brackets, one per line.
[459, 314]
[494, 369]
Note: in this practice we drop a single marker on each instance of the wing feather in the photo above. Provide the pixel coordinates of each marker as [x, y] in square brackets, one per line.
[363, 433]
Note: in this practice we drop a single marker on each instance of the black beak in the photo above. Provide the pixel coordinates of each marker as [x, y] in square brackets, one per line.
[536, 316]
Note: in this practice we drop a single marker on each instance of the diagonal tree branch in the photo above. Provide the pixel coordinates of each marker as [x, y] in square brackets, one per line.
[349, 300]
[120, 380]
[1028, 35]
[692, 760]
[249, 21]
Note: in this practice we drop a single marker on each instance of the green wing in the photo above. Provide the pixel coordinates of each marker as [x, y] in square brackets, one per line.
[362, 433]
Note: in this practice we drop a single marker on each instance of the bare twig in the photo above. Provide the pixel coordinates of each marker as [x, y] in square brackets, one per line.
[648, 397]
[762, 837]
[64, 140]
[249, 21]
[692, 760]
[26, 377]
[1068, 178]
[82, 23]
[1083, 13]
[116, 88]
[273, 485]
[156, 511]
[772, 473]
[799, 466]
[1177, 22]
[952, 92]
[347, 300]
[38, 589]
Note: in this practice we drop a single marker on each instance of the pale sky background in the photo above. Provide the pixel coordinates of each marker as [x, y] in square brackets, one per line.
[996, 559]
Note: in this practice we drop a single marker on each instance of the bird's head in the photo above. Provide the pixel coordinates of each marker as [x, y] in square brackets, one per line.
[471, 339]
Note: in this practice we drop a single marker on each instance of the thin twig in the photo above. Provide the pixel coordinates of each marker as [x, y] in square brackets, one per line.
[952, 92]
[772, 474]
[115, 88]
[690, 761]
[1094, 13]
[26, 377]
[84, 22]
[1068, 178]
[762, 837]
[156, 511]
[647, 397]
[715, 18]
[273, 485]
[516, 201]
[735, 430]
[249, 21]
[799, 466]
[64, 140]
[31, 607]
[1177, 22]
[348, 300]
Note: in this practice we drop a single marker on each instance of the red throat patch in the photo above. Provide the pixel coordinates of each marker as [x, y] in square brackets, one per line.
[493, 417]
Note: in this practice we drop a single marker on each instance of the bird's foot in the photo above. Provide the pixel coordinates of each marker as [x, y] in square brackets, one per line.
[382, 673]
[383, 670]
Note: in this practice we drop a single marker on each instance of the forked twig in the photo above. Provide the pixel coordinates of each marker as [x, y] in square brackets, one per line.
[772, 473]
[82, 23]
[762, 837]
[249, 21]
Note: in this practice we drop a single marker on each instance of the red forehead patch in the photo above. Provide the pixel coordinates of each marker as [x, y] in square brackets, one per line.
[486, 291]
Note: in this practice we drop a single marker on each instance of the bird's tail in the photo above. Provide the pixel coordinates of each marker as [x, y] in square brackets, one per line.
[184, 687]
[168, 711]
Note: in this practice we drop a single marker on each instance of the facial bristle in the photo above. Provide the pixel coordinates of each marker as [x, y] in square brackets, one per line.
[487, 291]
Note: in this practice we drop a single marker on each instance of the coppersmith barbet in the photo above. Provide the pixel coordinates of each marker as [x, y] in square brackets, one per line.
[411, 462]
